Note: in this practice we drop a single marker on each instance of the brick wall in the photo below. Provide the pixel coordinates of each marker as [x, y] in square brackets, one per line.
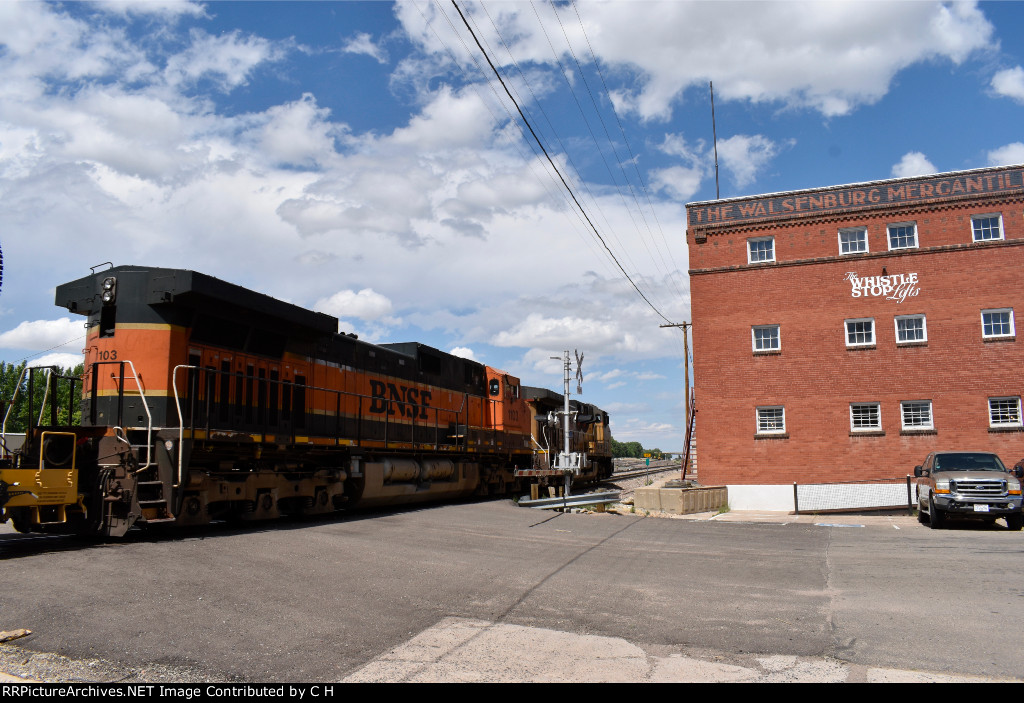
[815, 376]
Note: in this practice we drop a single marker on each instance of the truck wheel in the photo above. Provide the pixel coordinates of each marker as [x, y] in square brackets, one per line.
[935, 518]
[1015, 522]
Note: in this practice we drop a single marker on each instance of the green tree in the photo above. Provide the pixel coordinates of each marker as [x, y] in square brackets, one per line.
[631, 450]
[14, 397]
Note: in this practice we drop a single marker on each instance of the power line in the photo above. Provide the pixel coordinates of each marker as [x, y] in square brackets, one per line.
[529, 163]
[632, 157]
[554, 167]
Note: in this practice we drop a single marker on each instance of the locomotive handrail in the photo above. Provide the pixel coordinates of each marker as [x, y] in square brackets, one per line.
[17, 389]
[388, 404]
[120, 402]
[10, 405]
[42, 406]
[181, 420]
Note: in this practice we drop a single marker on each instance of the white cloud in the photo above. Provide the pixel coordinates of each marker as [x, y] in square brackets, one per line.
[450, 120]
[362, 43]
[830, 57]
[464, 353]
[679, 182]
[228, 59]
[540, 331]
[1008, 155]
[913, 163]
[165, 9]
[298, 133]
[64, 361]
[43, 335]
[367, 304]
[649, 376]
[636, 426]
[744, 155]
[1009, 83]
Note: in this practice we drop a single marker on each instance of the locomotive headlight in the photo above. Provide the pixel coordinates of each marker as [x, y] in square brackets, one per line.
[109, 293]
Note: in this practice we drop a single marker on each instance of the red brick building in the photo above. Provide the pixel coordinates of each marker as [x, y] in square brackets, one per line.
[843, 333]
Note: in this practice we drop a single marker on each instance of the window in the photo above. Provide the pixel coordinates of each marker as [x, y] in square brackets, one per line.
[760, 250]
[997, 323]
[903, 236]
[1004, 412]
[985, 228]
[771, 420]
[911, 328]
[860, 333]
[865, 417]
[766, 338]
[853, 240]
[916, 414]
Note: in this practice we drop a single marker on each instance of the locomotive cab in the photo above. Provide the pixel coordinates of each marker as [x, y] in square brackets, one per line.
[508, 412]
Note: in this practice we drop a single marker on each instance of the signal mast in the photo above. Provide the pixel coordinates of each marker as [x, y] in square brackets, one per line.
[568, 462]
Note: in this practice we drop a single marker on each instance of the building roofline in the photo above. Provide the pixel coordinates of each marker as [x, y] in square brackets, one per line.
[862, 184]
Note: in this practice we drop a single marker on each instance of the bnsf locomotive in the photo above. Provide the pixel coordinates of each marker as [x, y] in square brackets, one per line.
[203, 400]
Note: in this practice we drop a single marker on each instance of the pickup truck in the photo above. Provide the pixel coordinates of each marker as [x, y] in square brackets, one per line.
[968, 484]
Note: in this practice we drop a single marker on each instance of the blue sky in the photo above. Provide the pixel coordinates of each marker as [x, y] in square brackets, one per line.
[359, 158]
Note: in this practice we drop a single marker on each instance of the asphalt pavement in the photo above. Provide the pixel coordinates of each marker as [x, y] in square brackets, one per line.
[492, 592]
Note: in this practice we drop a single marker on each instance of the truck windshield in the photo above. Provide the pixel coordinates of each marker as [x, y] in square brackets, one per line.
[968, 461]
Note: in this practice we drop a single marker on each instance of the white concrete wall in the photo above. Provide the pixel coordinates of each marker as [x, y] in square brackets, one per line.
[761, 497]
[818, 497]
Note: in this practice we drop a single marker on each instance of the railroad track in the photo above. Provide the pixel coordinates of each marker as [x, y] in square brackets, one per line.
[633, 473]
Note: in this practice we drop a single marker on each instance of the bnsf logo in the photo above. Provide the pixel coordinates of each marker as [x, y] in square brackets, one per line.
[409, 402]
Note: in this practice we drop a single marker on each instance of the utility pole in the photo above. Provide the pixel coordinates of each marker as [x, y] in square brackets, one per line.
[686, 379]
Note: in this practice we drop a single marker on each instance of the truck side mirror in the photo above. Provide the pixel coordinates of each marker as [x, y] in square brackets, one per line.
[1018, 471]
[917, 471]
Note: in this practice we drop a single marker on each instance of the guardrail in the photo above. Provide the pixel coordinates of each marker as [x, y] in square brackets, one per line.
[577, 501]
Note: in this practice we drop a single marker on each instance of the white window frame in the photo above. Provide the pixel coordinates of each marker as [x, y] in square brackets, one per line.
[877, 427]
[853, 230]
[998, 216]
[750, 250]
[781, 409]
[923, 425]
[997, 311]
[1006, 401]
[846, 332]
[924, 329]
[778, 338]
[888, 235]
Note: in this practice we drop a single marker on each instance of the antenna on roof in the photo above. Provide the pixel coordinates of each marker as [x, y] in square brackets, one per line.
[714, 137]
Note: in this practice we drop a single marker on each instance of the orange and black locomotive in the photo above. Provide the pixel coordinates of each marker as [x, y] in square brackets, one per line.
[203, 400]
